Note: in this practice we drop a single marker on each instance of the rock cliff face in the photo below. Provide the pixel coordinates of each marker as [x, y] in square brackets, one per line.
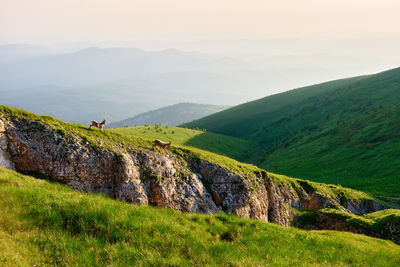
[5, 159]
[164, 179]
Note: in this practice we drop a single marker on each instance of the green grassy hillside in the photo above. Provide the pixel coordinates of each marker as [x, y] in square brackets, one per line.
[109, 139]
[343, 132]
[225, 145]
[46, 224]
[243, 120]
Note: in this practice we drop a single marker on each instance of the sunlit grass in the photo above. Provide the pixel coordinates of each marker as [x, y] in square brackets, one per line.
[224, 145]
[45, 223]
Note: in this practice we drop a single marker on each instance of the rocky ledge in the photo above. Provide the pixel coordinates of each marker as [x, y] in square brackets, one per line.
[175, 179]
[383, 224]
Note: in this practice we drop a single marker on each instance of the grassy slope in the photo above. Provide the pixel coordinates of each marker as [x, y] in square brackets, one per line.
[108, 139]
[225, 145]
[244, 119]
[44, 223]
[343, 132]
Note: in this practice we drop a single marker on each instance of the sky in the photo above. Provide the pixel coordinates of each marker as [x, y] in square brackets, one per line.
[283, 44]
[52, 21]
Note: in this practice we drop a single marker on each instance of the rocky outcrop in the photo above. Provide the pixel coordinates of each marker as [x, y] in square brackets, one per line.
[391, 231]
[5, 159]
[164, 179]
[387, 227]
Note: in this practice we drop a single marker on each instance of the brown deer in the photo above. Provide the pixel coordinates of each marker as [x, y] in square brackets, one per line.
[98, 125]
[161, 144]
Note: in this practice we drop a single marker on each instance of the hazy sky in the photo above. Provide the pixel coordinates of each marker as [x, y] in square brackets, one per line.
[44, 21]
[278, 44]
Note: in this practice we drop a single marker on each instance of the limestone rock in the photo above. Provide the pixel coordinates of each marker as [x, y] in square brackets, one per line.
[161, 179]
[5, 159]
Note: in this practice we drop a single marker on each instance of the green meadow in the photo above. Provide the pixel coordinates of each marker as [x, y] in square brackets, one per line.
[221, 144]
[45, 224]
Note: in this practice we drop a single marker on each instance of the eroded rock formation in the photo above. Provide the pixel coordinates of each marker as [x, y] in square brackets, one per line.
[386, 227]
[161, 179]
[5, 158]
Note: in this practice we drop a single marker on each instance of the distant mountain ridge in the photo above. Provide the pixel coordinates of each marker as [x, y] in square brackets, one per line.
[17, 52]
[117, 83]
[111, 83]
[172, 115]
[93, 66]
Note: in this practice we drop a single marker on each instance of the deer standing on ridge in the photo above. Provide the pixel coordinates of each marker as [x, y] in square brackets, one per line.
[98, 125]
[160, 144]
